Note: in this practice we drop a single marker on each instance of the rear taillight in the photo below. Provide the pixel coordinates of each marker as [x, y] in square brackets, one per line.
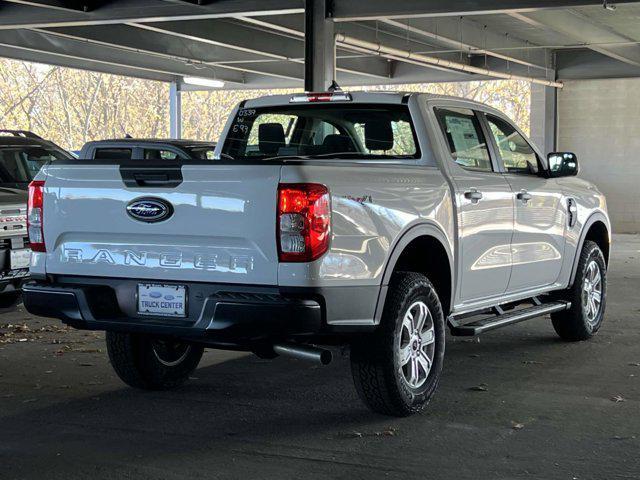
[304, 221]
[35, 216]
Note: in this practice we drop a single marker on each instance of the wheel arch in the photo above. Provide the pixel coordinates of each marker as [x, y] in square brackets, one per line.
[424, 249]
[596, 229]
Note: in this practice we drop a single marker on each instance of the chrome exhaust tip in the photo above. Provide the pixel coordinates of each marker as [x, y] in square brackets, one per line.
[304, 352]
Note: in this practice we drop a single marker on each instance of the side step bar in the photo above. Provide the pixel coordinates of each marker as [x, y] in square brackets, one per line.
[503, 319]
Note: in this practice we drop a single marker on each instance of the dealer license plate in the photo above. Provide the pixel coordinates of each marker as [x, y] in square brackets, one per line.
[20, 258]
[162, 300]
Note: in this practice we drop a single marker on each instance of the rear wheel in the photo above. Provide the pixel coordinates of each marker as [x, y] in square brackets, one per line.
[397, 370]
[587, 297]
[152, 363]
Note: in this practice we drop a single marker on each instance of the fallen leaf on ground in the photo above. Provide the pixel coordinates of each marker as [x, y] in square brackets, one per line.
[483, 387]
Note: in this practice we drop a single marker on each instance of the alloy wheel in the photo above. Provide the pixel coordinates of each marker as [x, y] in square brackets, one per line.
[416, 346]
[592, 292]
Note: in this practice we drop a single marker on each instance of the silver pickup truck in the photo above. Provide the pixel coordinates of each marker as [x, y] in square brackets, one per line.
[372, 220]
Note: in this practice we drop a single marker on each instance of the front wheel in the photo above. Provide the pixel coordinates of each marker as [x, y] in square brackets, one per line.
[151, 363]
[396, 371]
[588, 297]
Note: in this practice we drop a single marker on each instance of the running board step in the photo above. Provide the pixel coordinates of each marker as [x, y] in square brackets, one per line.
[500, 320]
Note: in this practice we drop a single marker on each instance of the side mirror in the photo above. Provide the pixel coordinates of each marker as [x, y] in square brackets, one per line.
[562, 164]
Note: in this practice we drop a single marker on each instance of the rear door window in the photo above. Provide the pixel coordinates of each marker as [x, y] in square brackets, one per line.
[202, 153]
[113, 154]
[465, 139]
[160, 154]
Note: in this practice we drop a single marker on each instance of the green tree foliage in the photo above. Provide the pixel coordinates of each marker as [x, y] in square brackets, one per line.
[72, 107]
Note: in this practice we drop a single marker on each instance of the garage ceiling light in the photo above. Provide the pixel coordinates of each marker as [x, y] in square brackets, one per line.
[204, 82]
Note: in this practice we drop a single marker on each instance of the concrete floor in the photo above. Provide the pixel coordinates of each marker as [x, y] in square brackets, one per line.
[550, 409]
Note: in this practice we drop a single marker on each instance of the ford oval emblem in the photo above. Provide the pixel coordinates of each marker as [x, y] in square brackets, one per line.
[149, 210]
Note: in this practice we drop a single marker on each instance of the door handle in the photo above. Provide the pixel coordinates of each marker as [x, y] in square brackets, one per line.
[473, 195]
[524, 196]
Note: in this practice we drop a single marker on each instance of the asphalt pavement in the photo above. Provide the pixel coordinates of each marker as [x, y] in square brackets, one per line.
[516, 404]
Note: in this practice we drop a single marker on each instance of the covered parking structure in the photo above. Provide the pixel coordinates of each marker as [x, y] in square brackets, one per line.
[582, 57]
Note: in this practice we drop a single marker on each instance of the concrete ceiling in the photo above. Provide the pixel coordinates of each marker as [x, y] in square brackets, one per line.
[260, 43]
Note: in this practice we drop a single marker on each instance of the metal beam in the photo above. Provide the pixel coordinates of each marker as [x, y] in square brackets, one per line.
[175, 110]
[256, 40]
[201, 54]
[426, 60]
[38, 42]
[350, 10]
[319, 47]
[586, 31]
[583, 64]
[48, 58]
[472, 38]
[73, 5]
[15, 16]
[227, 34]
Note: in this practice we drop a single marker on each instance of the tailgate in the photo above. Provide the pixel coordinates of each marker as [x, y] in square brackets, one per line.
[221, 226]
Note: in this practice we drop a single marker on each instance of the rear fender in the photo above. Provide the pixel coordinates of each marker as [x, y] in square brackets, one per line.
[422, 230]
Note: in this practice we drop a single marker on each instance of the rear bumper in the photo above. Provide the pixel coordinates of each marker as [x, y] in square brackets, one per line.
[221, 315]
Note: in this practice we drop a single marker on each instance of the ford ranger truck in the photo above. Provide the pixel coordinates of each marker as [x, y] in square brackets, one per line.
[372, 220]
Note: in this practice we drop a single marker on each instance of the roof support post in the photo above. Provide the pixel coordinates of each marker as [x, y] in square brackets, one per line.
[175, 110]
[544, 117]
[320, 46]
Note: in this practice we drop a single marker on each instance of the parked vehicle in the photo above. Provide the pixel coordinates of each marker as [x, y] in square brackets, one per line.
[147, 149]
[368, 219]
[22, 153]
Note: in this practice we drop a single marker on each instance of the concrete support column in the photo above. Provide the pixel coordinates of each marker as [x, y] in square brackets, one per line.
[320, 46]
[175, 110]
[543, 120]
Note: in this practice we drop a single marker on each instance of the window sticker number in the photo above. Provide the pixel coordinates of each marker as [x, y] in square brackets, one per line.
[240, 127]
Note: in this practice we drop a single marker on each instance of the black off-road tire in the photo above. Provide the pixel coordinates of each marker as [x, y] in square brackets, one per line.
[375, 360]
[136, 362]
[573, 325]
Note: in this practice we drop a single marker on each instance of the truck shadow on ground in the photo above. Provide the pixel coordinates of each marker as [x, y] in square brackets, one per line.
[255, 397]
[266, 412]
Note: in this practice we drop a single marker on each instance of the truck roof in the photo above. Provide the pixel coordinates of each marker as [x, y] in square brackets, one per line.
[392, 98]
[154, 141]
[24, 139]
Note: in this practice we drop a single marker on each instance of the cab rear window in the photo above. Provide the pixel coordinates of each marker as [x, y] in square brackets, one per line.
[322, 131]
